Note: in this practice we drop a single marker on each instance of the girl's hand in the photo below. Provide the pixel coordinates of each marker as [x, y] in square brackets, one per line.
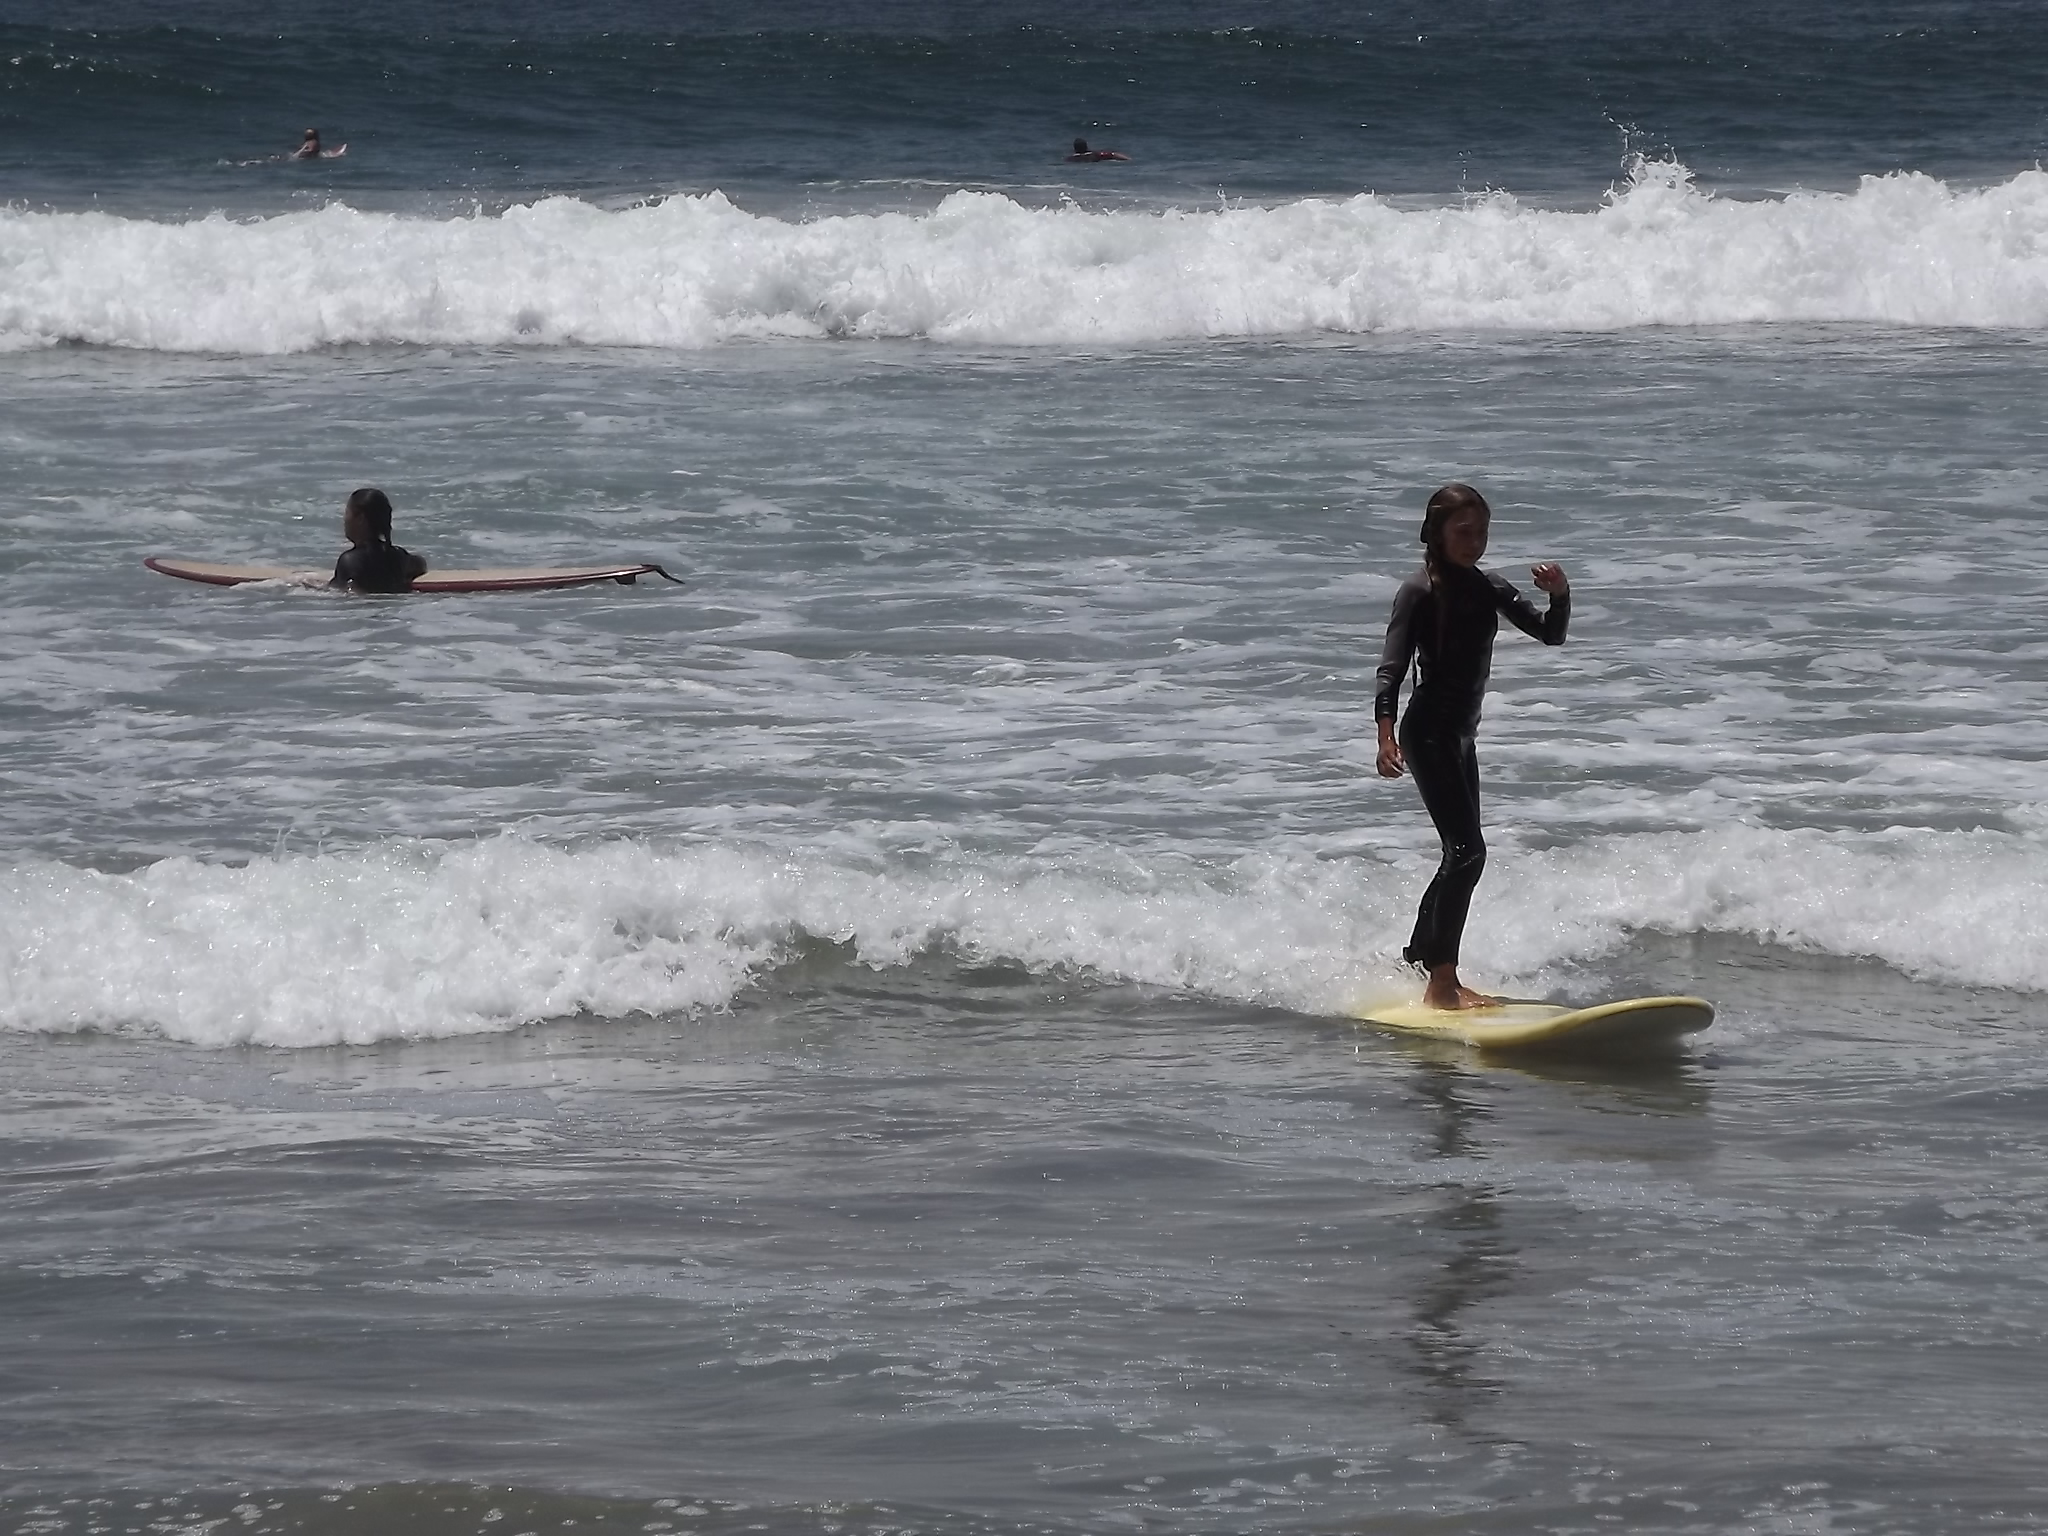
[1549, 577]
[1390, 762]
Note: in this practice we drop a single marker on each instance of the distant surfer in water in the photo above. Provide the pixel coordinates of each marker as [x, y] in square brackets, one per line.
[309, 148]
[373, 563]
[1083, 153]
[1445, 617]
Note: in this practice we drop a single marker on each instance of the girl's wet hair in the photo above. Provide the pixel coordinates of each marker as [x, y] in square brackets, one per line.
[374, 508]
[1446, 504]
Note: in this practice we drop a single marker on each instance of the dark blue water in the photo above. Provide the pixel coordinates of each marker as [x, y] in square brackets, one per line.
[126, 106]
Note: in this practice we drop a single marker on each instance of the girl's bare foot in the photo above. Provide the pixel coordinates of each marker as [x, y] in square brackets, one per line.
[1446, 991]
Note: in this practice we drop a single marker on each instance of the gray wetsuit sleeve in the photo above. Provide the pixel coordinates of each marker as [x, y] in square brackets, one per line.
[1548, 626]
[1400, 647]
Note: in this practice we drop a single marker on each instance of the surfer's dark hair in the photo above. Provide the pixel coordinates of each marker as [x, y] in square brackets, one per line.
[1080, 146]
[374, 508]
[1446, 504]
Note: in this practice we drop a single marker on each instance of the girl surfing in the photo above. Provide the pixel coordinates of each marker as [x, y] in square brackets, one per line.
[1445, 617]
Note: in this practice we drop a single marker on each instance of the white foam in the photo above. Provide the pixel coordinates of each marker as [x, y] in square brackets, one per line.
[691, 271]
[1966, 907]
[424, 940]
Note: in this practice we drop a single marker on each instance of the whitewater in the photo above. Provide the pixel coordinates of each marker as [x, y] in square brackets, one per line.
[985, 269]
[421, 941]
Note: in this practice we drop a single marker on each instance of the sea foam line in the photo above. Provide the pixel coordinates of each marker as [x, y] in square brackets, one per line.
[414, 940]
[692, 271]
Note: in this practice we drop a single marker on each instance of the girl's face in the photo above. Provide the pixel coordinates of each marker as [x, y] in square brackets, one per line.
[1464, 535]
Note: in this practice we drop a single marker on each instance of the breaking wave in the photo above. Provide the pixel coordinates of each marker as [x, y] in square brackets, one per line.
[414, 940]
[981, 269]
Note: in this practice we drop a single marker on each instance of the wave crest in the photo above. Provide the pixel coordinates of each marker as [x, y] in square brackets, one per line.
[416, 940]
[693, 271]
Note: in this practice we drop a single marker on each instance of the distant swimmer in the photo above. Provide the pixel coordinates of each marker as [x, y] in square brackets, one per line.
[1445, 618]
[309, 148]
[1082, 153]
[373, 563]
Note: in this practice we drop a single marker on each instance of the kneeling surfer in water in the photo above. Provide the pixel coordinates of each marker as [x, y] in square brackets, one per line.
[373, 563]
[1445, 618]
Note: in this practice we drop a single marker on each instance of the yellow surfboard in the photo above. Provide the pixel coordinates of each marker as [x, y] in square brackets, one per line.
[1636, 1026]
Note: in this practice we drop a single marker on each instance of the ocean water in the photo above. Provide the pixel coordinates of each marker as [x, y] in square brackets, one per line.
[860, 1042]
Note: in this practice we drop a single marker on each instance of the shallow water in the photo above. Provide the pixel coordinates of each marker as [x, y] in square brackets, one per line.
[1003, 1252]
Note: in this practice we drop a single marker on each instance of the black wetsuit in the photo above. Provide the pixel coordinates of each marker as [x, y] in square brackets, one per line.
[377, 568]
[1448, 634]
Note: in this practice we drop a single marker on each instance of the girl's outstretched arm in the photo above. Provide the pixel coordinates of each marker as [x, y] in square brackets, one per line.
[1548, 626]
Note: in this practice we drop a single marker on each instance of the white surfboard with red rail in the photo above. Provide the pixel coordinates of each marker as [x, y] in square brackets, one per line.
[492, 579]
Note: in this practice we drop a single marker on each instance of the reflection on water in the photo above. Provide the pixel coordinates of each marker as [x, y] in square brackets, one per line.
[1648, 1113]
[1477, 1263]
